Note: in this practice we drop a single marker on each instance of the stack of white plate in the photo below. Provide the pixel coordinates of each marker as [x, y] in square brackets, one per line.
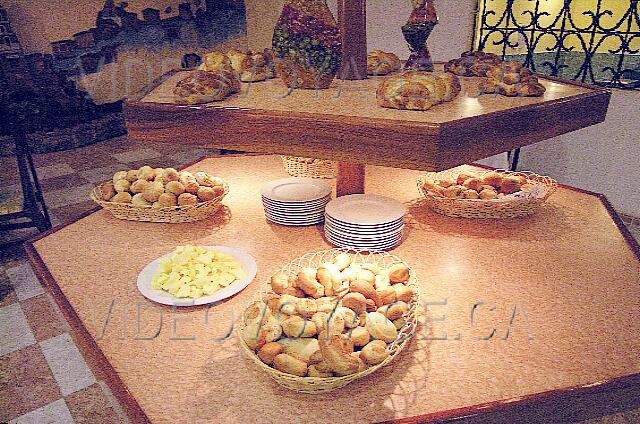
[295, 201]
[364, 221]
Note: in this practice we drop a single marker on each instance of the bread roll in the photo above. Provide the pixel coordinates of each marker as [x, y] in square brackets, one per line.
[295, 326]
[287, 304]
[170, 174]
[107, 191]
[308, 283]
[192, 187]
[470, 194]
[258, 333]
[394, 310]
[206, 194]
[306, 307]
[380, 327]
[488, 194]
[403, 293]
[167, 200]
[493, 179]
[152, 192]
[122, 186]
[359, 336]
[364, 288]
[139, 200]
[342, 261]
[120, 175]
[398, 273]
[269, 351]
[175, 187]
[123, 197]
[290, 365]
[382, 281]
[355, 302]
[336, 353]
[187, 199]
[349, 316]
[386, 295]
[473, 184]
[302, 349]
[279, 282]
[314, 372]
[132, 175]
[138, 186]
[374, 352]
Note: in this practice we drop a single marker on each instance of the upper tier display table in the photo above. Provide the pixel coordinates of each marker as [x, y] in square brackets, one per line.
[542, 310]
[345, 123]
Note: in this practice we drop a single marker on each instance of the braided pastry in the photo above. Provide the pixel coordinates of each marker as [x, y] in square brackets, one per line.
[205, 87]
[472, 64]
[511, 79]
[381, 63]
[251, 66]
[417, 90]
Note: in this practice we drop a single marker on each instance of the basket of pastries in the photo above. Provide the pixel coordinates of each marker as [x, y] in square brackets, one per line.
[485, 194]
[309, 167]
[331, 317]
[161, 195]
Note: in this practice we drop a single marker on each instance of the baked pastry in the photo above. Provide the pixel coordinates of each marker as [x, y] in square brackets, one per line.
[215, 62]
[107, 191]
[250, 66]
[472, 64]
[380, 327]
[336, 354]
[417, 90]
[511, 79]
[206, 87]
[487, 186]
[381, 63]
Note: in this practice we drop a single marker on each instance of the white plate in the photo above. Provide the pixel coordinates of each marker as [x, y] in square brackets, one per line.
[365, 209]
[364, 231]
[360, 227]
[363, 237]
[296, 189]
[324, 200]
[366, 246]
[309, 221]
[384, 240]
[160, 296]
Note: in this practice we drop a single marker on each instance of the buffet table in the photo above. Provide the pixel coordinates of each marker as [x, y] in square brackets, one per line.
[514, 311]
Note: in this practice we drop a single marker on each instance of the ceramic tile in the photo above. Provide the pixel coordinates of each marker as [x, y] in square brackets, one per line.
[90, 405]
[53, 171]
[122, 416]
[65, 182]
[73, 212]
[24, 281]
[26, 383]
[65, 197]
[100, 175]
[7, 292]
[15, 332]
[54, 413]
[44, 317]
[136, 155]
[192, 155]
[68, 367]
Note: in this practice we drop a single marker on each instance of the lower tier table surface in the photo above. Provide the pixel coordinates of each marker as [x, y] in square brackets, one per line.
[511, 308]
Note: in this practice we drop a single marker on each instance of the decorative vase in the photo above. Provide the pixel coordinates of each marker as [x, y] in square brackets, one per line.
[307, 44]
[416, 31]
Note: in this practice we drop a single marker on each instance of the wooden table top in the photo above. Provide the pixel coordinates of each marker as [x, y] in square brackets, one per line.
[556, 299]
[345, 123]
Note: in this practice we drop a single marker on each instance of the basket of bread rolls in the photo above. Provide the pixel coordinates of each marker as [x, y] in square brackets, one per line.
[161, 195]
[331, 317]
[485, 194]
[309, 167]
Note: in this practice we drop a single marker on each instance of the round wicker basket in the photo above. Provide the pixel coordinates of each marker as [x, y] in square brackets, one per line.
[492, 209]
[308, 167]
[173, 215]
[319, 384]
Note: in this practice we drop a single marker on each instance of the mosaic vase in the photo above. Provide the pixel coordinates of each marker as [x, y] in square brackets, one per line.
[307, 44]
[416, 31]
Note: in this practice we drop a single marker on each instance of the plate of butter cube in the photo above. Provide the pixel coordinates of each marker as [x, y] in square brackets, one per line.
[196, 275]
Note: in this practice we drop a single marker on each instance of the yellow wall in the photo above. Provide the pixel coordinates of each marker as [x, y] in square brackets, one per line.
[553, 7]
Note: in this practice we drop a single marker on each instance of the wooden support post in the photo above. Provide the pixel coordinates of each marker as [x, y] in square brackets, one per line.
[352, 18]
[350, 179]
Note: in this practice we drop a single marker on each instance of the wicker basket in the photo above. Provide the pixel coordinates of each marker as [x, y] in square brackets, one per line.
[173, 215]
[493, 209]
[311, 168]
[321, 384]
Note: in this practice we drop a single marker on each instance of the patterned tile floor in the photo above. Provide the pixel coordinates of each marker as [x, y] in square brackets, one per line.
[43, 377]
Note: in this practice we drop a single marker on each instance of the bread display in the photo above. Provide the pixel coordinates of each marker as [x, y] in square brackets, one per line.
[511, 79]
[472, 64]
[381, 63]
[151, 188]
[330, 332]
[206, 86]
[417, 90]
[472, 186]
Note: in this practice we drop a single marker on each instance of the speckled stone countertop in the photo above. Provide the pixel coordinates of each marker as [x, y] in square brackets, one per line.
[511, 307]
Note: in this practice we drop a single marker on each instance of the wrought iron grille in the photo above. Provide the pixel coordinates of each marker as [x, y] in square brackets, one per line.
[594, 41]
